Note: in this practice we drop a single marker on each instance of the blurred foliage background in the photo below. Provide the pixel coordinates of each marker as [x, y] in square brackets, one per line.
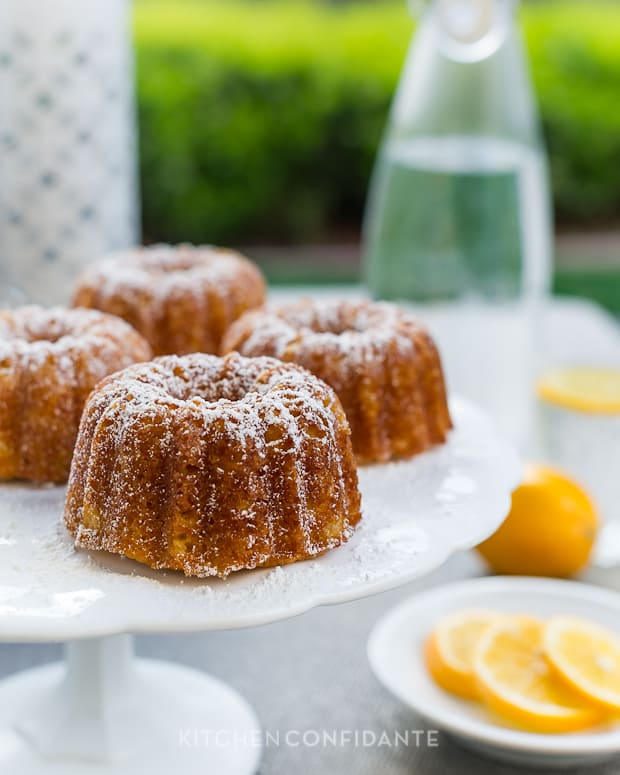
[260, 119]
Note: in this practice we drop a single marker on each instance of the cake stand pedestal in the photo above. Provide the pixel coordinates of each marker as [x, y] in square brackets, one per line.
[105, 712]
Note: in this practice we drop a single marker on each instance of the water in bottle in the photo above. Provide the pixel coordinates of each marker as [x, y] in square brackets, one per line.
[458, 217]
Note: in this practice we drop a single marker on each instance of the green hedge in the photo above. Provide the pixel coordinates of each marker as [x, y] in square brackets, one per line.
[260, 120]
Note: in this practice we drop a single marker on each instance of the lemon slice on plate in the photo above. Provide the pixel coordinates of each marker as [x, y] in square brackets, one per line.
[449, 651]
[594, 391]
[586, 656]
[516, 681]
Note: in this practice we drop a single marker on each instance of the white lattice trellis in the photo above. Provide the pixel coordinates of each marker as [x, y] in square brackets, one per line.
[67, 139]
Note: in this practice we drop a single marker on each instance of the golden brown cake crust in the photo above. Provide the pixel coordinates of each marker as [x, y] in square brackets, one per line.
[378, 358]
[209, 465]
[50, 360]
[180, 298]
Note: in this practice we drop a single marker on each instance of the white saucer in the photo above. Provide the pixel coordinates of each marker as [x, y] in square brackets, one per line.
[395, 654]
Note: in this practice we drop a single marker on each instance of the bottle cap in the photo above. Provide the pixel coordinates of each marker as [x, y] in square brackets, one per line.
[472, 29]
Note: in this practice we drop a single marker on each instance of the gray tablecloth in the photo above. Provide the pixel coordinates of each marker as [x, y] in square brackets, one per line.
[311, 673]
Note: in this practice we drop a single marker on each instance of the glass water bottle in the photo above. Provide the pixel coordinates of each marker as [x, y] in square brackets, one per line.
[458, 218]
[459, 203]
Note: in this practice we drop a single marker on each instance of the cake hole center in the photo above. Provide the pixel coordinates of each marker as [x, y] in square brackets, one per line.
[169, 263]
[215, 387]
[52, 336]
[335, 327]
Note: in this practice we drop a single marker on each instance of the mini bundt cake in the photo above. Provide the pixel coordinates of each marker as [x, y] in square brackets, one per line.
[209, 465]
[181, 299]
[378, 358]
[50, 360]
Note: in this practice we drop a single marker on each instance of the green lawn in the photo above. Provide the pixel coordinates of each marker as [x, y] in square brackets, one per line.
[260, 120]
[276, 34]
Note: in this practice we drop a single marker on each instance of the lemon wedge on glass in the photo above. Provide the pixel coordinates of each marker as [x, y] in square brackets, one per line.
[589, 390]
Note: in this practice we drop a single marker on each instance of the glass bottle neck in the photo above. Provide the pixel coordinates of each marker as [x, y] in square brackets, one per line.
[471, 30]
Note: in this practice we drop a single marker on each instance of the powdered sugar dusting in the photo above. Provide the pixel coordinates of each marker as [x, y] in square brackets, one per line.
[50, 359]
[162, 268]
[378, 358]
[39, 332]
[262, 441]
[181, 298]
[355, 329]
[245, 394]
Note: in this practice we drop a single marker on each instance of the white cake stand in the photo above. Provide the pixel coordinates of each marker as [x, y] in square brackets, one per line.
[104, 712]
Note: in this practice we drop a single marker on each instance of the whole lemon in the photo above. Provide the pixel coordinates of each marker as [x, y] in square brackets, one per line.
[549, 531]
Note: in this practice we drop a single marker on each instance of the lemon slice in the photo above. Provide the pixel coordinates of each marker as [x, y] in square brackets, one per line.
[595, 391]
[449, 651]
[516, 681]
[587, 657]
